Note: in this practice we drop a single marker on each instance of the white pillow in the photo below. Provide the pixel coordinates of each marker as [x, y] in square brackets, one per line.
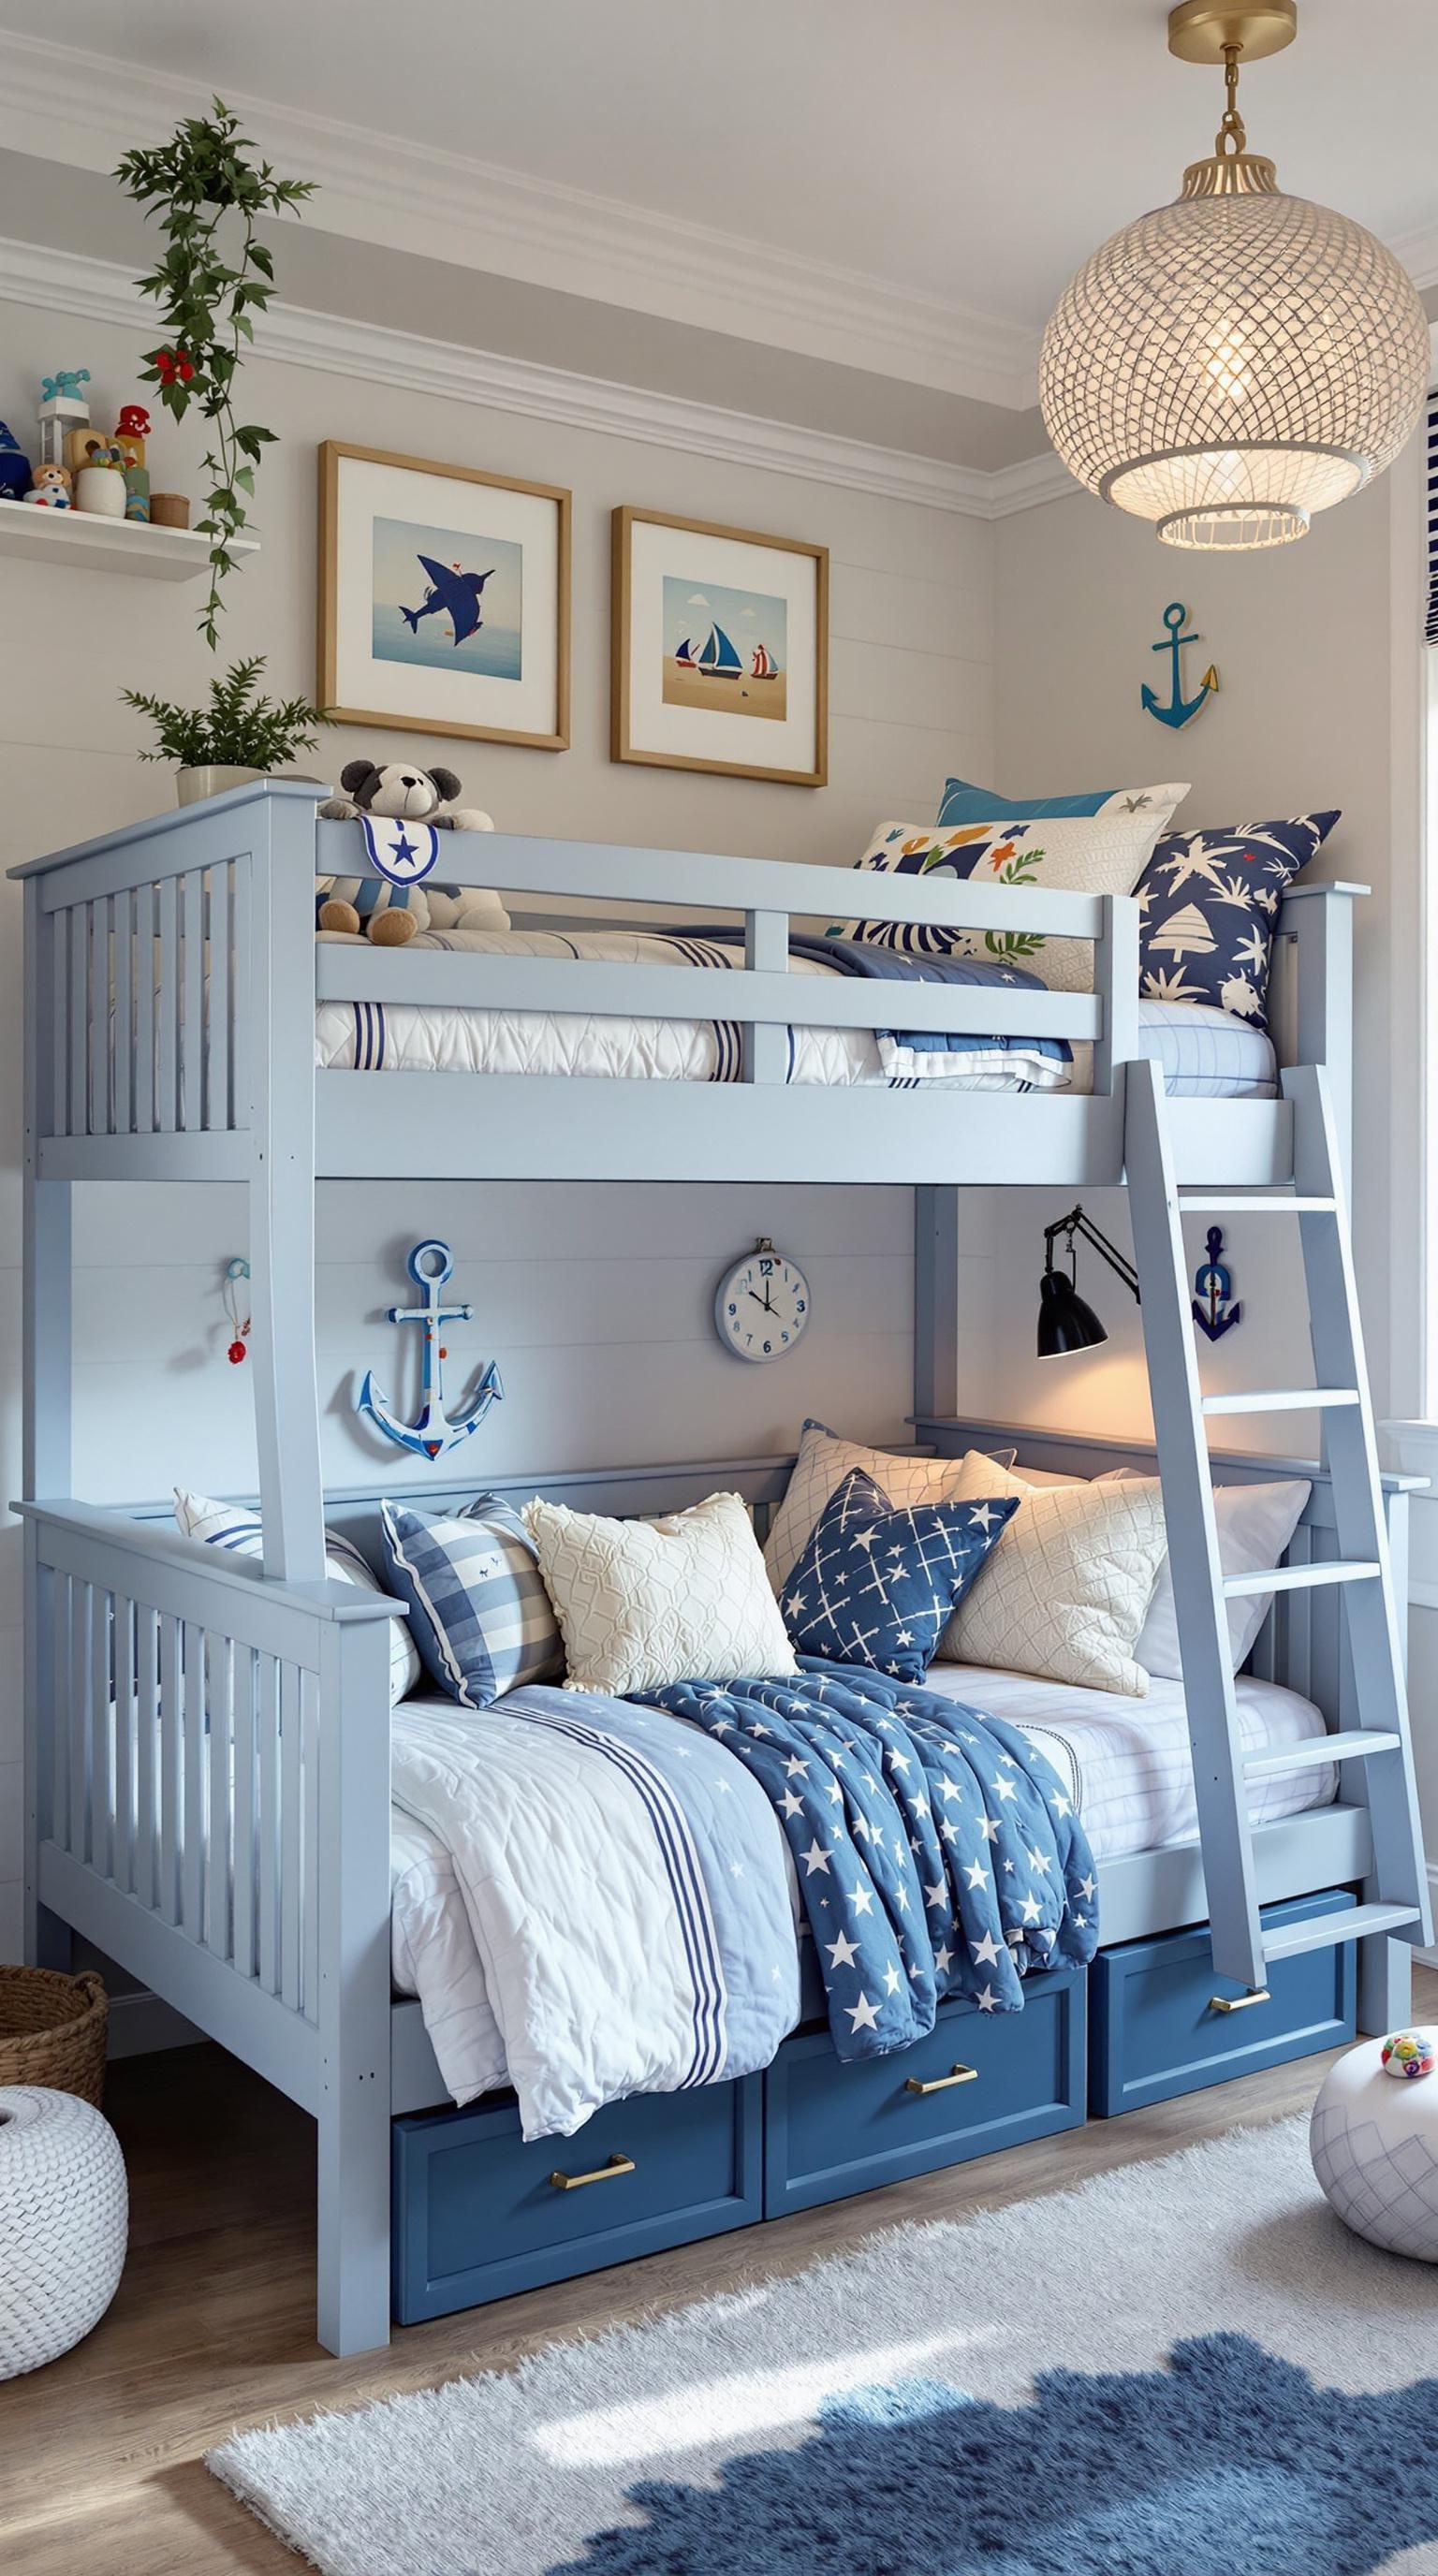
[823, 1463]
[1255, 1524]
[1067, 1589]
[644, 1603]
[1077, 854]
[234, 1526]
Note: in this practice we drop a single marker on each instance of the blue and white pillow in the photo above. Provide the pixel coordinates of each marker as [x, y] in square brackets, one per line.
[1209, 901]
[877, 1586]
[964, 803]
[234, 1526]
[482, 1619]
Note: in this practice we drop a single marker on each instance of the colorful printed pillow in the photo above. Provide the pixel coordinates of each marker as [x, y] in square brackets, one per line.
[236, 1527]
[878, 1587]
[1209, 902]
[481, 1616]
[825, 1460]
[965, 804]
[1090, 854]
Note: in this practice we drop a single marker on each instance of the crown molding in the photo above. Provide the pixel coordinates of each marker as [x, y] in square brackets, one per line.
[1418, 253]
[333, 344]
[85, 109]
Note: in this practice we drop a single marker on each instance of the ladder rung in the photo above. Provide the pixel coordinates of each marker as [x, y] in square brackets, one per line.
[1283, 1399]
[1346, 1744]
[1206, 1203]
[1326, 1931]
[1300, 1578]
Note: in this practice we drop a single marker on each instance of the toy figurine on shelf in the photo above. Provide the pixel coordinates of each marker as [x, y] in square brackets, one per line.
[14, 466]
[63, 408]
[137, 493]
[131, 431]
[51, 488]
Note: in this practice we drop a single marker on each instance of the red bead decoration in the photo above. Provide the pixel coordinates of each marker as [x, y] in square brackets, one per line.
[236, 1352]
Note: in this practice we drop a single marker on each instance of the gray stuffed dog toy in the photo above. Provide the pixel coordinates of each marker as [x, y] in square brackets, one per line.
[390, 914]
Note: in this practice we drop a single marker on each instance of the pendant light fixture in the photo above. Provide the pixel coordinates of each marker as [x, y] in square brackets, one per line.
[1240, 358]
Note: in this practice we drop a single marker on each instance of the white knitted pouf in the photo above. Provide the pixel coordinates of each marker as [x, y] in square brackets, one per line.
[64, 2211]
[1375, 2151]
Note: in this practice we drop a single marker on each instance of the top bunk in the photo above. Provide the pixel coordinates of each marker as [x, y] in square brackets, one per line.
[185, 1022]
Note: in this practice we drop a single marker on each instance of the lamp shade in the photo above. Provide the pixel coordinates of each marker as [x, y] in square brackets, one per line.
[1234, 361]
[1066, 1322]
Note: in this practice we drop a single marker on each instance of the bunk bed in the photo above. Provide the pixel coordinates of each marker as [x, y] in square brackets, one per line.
[208, 1738]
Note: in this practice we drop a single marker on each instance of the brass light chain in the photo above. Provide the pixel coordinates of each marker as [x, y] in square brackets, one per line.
[1232, 137]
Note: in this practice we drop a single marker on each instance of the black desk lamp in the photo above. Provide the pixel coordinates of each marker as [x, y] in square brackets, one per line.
[1066, 1322]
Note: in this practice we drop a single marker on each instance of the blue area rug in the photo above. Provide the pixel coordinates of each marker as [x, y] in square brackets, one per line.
[1228, 2463]
[1186, 2368]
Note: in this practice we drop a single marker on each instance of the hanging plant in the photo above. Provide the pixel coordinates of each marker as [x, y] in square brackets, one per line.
[214, 278]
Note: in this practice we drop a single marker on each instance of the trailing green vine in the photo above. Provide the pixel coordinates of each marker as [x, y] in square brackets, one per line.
[211, 289]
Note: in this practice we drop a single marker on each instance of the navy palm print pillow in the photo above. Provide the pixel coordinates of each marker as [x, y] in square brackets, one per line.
[1208, 903]
[877, 1586]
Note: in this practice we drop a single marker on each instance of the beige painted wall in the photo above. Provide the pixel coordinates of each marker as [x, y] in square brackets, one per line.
[597, 1303]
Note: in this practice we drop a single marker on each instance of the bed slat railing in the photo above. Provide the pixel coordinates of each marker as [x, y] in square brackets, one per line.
[185, 1724]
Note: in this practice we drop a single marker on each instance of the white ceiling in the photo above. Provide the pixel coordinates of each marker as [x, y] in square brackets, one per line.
[926, 171]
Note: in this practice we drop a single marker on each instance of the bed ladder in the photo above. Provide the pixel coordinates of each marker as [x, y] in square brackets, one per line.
[1375, 1747]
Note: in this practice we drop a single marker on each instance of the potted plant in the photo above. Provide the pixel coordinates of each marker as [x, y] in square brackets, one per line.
[209, 192]
[237, 736]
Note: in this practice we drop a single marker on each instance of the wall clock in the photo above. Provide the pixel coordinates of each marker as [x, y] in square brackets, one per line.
[762, 1305]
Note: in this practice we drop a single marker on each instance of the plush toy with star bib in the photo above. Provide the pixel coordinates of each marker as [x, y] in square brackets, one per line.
[387, 913]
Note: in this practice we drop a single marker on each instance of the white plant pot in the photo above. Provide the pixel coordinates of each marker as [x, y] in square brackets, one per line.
[100, 490]
[193, 785]
[63, 2223]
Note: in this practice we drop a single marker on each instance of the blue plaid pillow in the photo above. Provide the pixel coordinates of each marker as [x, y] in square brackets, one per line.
[877, 1586]
[1209, 902]
[479, 1612]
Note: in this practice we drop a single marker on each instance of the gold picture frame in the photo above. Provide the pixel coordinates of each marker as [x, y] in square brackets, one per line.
[715, 701]
[374, 513]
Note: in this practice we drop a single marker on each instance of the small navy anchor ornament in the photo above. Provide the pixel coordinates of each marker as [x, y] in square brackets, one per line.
[1179, 710]
[1212, 1310]
[430, 1265]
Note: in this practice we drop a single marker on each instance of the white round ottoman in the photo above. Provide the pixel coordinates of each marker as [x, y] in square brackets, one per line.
[64, 2211]
[1374, 2141]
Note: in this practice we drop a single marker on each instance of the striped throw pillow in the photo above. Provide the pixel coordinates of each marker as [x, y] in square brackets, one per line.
[482, 1619]
[234, 1526]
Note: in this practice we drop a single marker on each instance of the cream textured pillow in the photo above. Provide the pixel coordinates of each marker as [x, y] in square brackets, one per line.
[641, 1604]
[823, 1464]
[1066, 1591]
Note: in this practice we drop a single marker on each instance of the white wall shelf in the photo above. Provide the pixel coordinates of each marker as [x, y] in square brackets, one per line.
[88, 543]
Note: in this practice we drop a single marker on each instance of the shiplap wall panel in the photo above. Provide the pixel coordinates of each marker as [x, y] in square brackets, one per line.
[911, 623]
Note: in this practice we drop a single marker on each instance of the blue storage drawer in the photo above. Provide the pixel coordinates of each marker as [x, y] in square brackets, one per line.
[1157, 2029]
[833, 2128]
[478, 2214]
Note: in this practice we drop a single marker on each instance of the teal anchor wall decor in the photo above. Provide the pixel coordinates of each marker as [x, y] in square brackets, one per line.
[1215, 1309]
[1179, 710]
[430, 1264]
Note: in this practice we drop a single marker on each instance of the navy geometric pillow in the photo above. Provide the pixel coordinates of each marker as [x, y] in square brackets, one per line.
[1209, 902]
[877, 1586]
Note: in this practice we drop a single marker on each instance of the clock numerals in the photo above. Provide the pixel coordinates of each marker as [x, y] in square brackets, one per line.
[762, 1308]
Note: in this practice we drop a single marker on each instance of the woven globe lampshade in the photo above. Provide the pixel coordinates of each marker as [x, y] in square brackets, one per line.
[1236, 360]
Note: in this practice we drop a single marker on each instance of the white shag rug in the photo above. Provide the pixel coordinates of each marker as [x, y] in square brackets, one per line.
[518, 2474]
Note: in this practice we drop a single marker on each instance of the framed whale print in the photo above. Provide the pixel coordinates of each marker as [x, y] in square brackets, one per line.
[721, 650]
[444, 599]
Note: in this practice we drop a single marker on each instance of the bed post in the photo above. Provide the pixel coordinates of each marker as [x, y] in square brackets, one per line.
[280, 1027]
[1319, 920]
[1385, 1968]
[47, 1465]
[353, 1895]
[936, 1300]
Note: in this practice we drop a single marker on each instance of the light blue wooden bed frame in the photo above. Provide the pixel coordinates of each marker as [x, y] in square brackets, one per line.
[264, 1917]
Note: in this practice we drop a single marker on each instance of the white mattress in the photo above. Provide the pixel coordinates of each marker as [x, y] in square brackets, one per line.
[1205, 1054]
[1125, 1762]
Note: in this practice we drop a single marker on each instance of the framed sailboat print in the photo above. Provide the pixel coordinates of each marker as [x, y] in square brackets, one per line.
[444, 598]
[721, 650]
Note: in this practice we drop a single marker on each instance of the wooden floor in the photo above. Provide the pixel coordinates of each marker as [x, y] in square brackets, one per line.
[213, 2326]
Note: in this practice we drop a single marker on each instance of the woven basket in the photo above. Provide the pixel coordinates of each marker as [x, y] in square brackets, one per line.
[52, 2030]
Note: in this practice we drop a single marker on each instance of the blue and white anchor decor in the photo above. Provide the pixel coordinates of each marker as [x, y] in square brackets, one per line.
[1215, 1309]
[430, 1265]
[1179, 710]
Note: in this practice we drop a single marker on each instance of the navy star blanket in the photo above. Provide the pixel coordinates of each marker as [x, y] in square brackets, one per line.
[936, 1851]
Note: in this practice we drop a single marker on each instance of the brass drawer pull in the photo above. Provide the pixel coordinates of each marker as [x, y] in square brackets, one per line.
[1239, 2003]
[609, 2171]
[941, 2083]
